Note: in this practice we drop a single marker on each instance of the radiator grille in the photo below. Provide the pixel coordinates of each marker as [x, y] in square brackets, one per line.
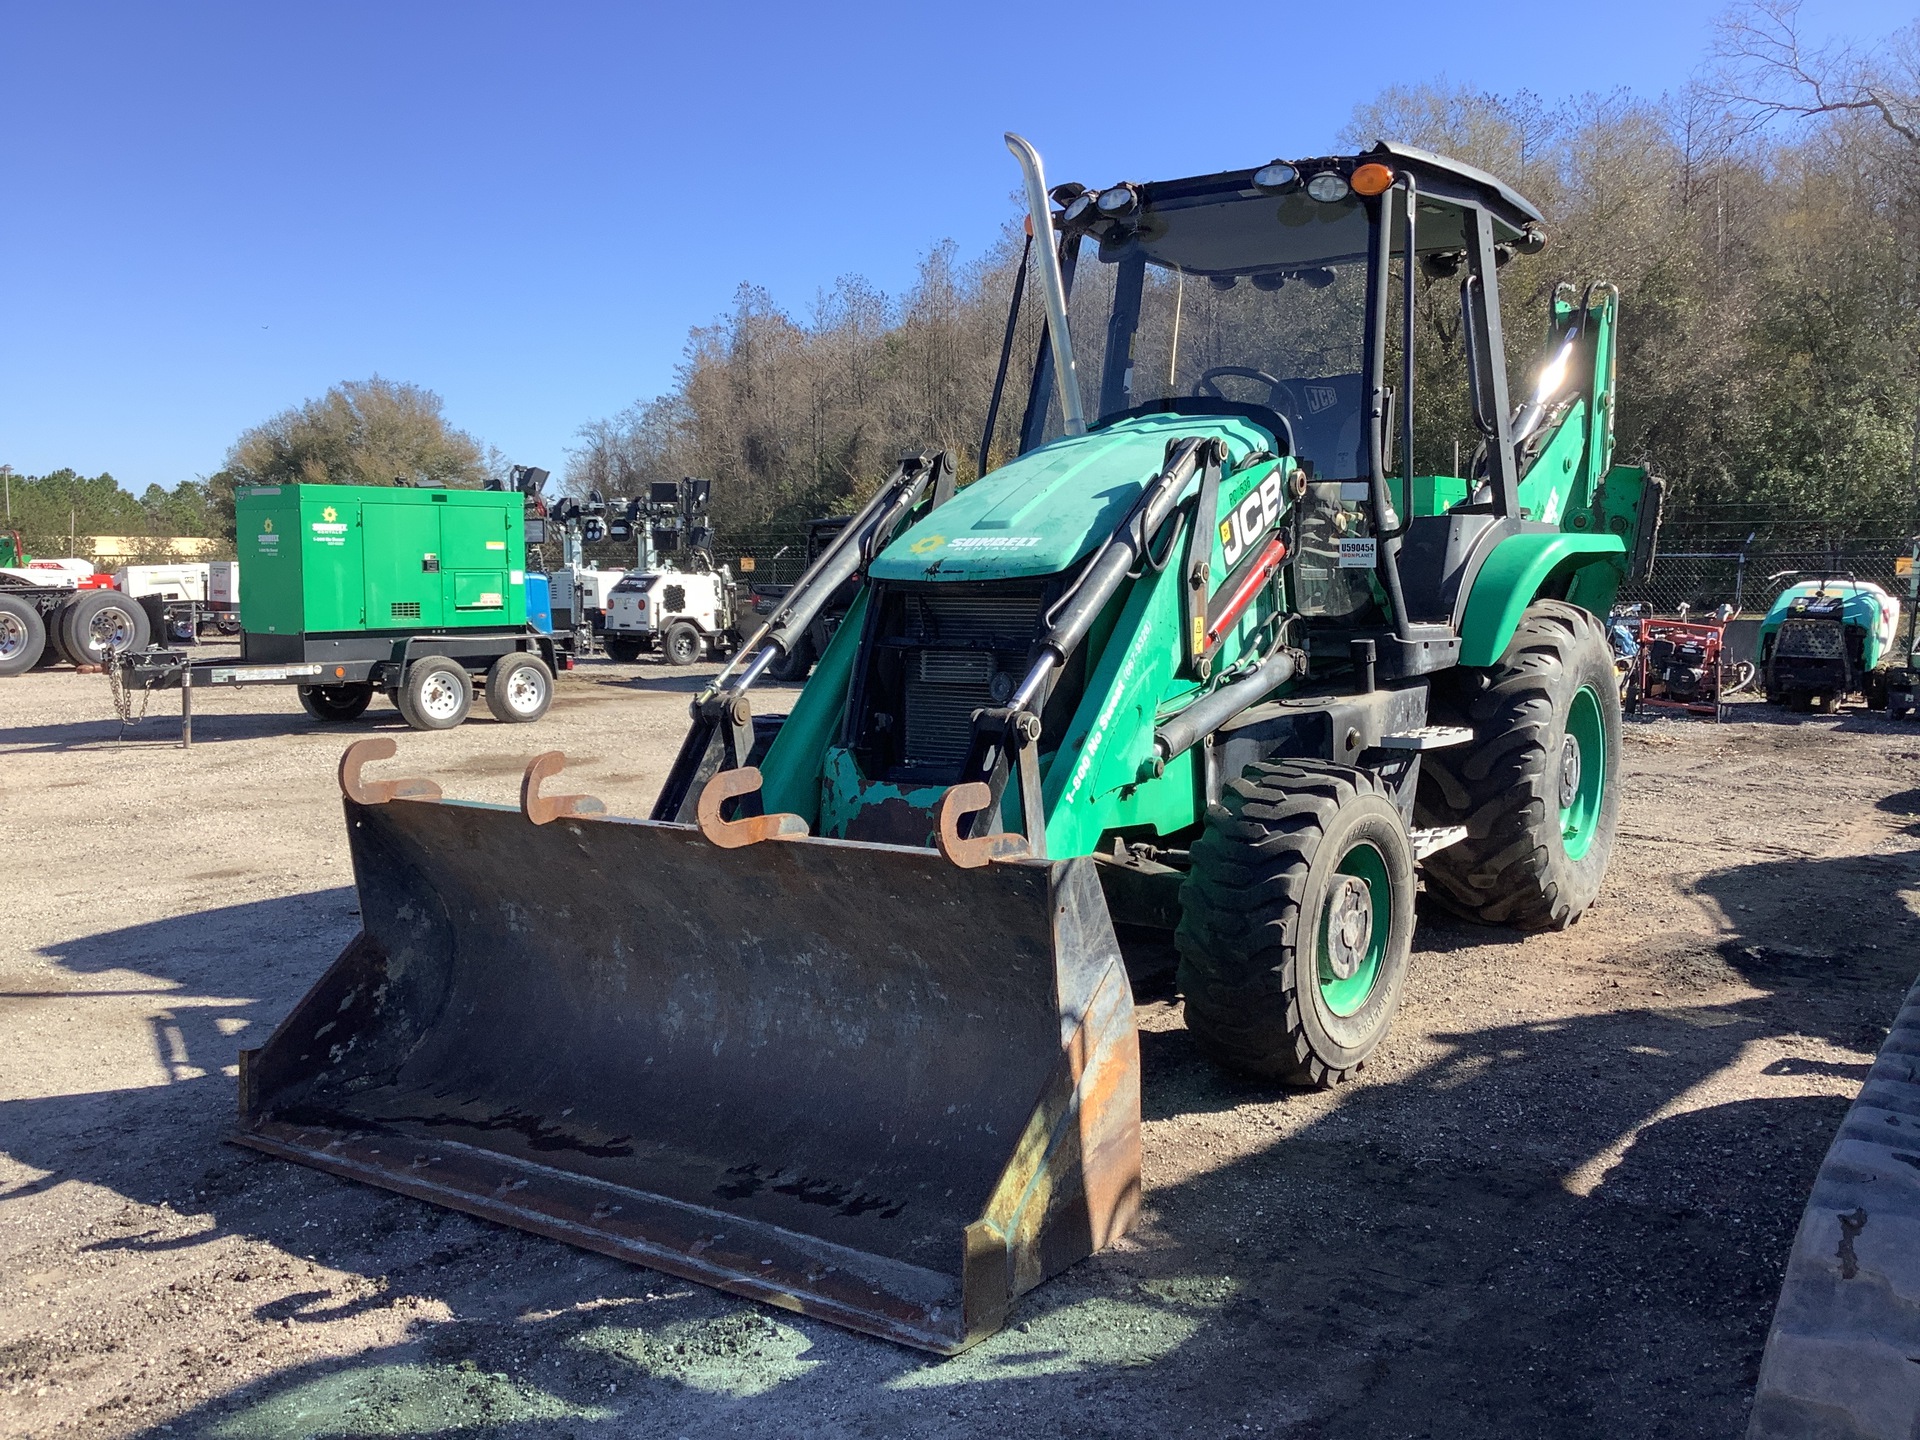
[1810, 640]
[404, 610]
[959, 643]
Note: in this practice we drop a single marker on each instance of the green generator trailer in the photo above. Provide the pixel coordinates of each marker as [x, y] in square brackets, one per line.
[848, 1028]
[348, 591]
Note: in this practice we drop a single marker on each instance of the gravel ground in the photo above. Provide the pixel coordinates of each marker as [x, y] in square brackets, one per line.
[1557, 1203]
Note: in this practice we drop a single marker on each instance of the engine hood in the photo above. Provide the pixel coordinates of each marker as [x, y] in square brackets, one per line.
[1043, 512]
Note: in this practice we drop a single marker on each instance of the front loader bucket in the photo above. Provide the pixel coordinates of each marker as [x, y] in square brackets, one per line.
[852, 1080]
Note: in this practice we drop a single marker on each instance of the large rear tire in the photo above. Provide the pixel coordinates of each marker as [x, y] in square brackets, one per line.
[96, 621]
[1296, 922]
[1538, 789]
[23, 636]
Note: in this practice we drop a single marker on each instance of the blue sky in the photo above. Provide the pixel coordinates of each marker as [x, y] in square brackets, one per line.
[212, 212]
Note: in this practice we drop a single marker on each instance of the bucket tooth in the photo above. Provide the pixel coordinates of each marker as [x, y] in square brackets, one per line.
[970, 799]
[378, 792]
[544, 809]
[855, 1081]
[750, 829]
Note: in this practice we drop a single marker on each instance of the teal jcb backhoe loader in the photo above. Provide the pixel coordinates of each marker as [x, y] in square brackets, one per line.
[847, 1028]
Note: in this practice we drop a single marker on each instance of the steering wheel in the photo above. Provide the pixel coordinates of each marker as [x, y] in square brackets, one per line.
[1208, 384]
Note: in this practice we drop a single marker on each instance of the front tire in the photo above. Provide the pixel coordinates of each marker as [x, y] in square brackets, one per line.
[1296, 922]
[1538, 789]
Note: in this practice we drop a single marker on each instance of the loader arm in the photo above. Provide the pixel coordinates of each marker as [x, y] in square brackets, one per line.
[1603, 516]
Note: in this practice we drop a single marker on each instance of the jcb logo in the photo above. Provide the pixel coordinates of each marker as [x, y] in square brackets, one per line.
[1250, 520]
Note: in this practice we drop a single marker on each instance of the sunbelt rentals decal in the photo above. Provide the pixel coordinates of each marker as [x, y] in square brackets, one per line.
[928, 543]
[328, 529]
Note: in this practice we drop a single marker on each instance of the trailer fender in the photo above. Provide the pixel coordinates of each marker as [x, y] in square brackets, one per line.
[1520, 568]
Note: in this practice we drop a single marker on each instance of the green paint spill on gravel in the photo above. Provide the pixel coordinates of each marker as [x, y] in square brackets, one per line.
[399, 1400]
[1098, 1333]
[742, 1355]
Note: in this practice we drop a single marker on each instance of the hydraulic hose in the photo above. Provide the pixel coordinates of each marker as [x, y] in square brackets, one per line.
[1208, 714]
[1110, 568]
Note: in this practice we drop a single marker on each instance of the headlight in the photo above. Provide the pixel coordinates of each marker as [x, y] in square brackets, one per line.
[1276, 176]
[1117, 200]
[1327, 187]
[1079, 205]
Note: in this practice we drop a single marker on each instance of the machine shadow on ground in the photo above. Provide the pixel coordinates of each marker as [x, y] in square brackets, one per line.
[1496, 1243]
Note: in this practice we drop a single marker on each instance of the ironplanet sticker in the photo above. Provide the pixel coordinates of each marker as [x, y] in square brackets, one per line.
[1357, 553]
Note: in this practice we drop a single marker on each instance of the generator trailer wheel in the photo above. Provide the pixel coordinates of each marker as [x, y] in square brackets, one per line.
[1538, 788]
[336, 704]
[682, 645]
[623, 651]
[436, 695]
[23, 636]
[1296, 921]
[519, 688]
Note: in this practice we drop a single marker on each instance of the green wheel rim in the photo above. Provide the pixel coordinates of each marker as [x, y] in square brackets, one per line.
[1348, 996]
[1583, 773]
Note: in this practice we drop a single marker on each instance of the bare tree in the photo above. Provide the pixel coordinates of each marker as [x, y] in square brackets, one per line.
[1767, 69]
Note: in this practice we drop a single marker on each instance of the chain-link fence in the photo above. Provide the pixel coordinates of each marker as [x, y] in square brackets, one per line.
[1700, 572]
[1749, 579]
[771, 556]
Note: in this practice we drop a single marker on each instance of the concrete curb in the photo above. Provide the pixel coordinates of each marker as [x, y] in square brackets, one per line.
[1843, 1355]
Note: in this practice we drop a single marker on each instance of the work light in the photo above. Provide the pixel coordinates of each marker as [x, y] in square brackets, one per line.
[1328, 186]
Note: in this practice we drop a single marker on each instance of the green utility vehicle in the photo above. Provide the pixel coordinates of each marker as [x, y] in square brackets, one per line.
[1824, 640]
[849, 1030]
[352, 590]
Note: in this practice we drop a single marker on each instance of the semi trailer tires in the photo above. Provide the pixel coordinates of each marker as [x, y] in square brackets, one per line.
[519, 689]
[98, 621]
[1538, 790]
[1296, 922]
[682, 644]
[23, 636]
[436, 694]
[336, 704]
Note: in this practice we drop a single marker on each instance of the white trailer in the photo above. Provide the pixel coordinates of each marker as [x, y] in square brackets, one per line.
[684, 615]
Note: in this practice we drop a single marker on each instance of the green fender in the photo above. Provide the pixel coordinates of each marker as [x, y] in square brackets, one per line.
[1519, 568]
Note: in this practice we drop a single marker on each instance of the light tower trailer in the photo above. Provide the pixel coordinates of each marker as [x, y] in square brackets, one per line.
[349, 591]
